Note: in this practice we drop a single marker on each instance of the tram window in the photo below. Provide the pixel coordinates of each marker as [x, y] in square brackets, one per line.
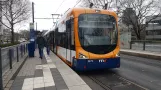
[72, 32]
[72, 41]
[68, 31]
[61, 41]
[97, 29]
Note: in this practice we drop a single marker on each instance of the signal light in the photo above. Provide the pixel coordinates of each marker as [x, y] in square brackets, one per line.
[85, 67]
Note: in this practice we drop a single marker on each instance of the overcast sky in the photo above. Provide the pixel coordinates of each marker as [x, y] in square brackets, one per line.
[44, 9]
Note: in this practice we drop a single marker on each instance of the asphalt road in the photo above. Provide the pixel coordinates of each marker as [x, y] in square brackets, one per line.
[139, 74]
[142, 71]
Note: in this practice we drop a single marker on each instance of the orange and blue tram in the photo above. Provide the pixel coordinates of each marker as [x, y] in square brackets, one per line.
[87, 39]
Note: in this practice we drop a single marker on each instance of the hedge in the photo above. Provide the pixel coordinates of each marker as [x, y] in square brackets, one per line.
[9, 44]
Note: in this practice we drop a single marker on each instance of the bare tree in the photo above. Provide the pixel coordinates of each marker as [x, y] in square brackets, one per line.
[135, 12]
[14, 12]
[98, 3]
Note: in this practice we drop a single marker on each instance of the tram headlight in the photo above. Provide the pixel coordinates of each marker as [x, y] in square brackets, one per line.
[81, 56]
[118, 54]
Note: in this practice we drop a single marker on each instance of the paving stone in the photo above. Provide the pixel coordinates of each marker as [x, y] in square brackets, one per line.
[16, 88]
[9, 85]
[18, 80]
[46, 76]
[6, 88]
[7, 73]
[61, 86]
[56, 76]
[20, 77]
[11, 81]
[5, 82]
[7, 79]
[39, 89]
[61, 83]
[73, 79]
[50, 88]
[43, 61]
[58, 79]
[54, 71]
[5, 76]
[39, 85]
[30, 76]
[38, 73]
[28, 87]
[15, 84]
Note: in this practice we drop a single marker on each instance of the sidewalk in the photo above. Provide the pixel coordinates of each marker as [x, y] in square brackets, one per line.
[50, 73]
[145, 54]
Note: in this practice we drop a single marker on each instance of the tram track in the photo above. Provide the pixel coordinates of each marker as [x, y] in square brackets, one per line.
[109, 80]
[100, 83]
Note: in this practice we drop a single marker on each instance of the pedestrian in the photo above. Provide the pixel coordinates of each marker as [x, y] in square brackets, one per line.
[41, 44]
[48, 45]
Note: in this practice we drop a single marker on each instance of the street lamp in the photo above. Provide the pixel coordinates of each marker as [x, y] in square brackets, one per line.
[33, 12]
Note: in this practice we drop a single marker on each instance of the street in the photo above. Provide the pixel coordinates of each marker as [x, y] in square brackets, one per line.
[135, 73]
[144, 72]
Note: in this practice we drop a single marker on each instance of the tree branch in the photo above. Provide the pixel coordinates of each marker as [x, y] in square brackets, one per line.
[5, 25]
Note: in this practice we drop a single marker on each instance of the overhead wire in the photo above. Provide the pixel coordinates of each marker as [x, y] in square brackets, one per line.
[59, 6]
[58, 9]
[63, 2]
[77, 3]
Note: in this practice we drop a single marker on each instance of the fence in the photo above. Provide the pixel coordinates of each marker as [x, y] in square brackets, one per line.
[146, 45]
[9, 56]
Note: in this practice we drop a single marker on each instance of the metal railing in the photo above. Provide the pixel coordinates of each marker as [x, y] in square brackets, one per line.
[146, 45]
[9, 56]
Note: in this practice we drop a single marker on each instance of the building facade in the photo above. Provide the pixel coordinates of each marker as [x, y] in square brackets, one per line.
[6, 35]
[153, 29]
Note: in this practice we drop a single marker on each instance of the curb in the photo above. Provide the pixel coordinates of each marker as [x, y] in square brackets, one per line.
[19, 68]
[13, 73]
[139, 54]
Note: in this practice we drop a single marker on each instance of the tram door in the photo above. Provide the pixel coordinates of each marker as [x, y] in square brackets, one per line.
[55, 40]
[68, 40]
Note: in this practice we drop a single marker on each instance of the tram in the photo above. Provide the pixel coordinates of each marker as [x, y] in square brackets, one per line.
[87, 39]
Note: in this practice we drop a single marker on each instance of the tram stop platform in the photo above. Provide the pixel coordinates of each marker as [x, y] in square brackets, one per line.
[49, 73]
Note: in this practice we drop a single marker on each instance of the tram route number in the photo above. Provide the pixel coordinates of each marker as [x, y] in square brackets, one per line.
[100, 61]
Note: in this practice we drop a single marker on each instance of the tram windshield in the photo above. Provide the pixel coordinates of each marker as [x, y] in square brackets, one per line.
[97, 29]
